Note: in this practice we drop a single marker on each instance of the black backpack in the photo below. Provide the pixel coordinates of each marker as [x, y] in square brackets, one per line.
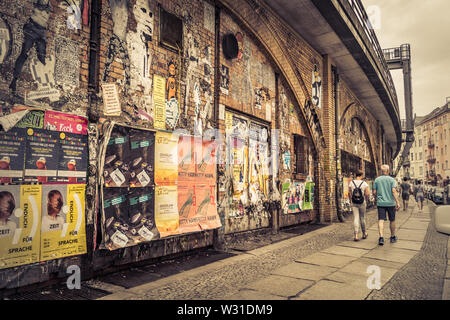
[357, 196]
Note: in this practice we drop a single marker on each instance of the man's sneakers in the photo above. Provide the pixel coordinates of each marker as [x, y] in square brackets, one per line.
[393, 239]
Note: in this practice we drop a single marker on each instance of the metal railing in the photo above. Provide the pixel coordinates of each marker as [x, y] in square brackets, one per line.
[364, 21]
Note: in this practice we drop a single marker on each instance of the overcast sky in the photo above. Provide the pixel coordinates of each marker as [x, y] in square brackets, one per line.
[426, 26]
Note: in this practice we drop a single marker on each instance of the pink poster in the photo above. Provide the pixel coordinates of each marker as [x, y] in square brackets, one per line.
[63, 122]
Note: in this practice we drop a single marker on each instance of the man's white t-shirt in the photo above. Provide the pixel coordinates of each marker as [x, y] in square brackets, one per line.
[50, 224]
[359, 183]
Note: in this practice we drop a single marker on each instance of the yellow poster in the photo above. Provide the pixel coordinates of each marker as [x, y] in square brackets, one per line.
[228, 121]
[166, 210]
[19, 225]
[63, 231]
[159, 100]
[166, 159]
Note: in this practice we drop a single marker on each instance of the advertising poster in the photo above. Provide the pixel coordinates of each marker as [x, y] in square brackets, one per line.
[12, 155]
[116, 171]
[186, 160]
[166, 210]
[63, 122]
[72, 162]
[19, 225]
[187, 208]
[117, 232]
[207, 207]
[63, 231]
[308, 197]
[285, 196]
[206, 162]
[141, 212]
[166, 159]
[41, 158]
[142, 156]
[293, 197]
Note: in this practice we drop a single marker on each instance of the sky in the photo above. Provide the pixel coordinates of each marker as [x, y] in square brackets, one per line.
[425, 25]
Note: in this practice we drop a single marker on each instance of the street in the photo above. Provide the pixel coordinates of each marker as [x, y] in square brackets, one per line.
[324, 264]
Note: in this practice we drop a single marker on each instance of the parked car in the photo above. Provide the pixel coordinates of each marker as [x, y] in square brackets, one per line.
[442, 219]
[438, 195]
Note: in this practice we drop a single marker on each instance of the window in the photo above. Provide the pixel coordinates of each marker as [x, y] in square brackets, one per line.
[420, 156]
[301, 154]
[442, 152]
[171, 30]
[446, 149]
[446, 164]
[420, 170]
[412, 156]
[420, 142]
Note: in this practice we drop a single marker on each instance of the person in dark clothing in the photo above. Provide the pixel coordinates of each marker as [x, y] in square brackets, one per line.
[406, 191]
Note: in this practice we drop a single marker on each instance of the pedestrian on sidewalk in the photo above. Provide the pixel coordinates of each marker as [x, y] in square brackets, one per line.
[406, 191]
[358, 192]
[384, 189]
[419, 194]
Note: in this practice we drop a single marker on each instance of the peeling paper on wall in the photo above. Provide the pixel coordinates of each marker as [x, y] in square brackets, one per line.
[9, 121]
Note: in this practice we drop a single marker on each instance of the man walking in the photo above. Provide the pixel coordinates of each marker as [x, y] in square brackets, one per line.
[384, 189]
[406, 191]
[358, 191]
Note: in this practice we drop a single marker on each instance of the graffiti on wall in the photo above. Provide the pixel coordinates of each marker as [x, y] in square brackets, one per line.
[5, 39]
[316, 88]
[34, 36]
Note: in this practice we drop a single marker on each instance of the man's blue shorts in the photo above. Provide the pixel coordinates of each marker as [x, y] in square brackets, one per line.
[382, 213]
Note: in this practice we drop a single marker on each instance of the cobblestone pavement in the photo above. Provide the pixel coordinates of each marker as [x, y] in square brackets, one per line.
[222, 282]
[422, 278]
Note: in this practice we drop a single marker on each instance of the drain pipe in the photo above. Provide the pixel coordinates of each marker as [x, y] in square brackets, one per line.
[94, 59]
[338, 190]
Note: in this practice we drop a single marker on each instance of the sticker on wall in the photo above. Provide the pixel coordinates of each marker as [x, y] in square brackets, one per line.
[67, 66]
[316, 88]
[159, 102]
[224, 79]
[293, 197]
[111, 103]
[287, 160]
[172, 113]
[63, 122]
[33, 119]
[63, 227]
[20, 211]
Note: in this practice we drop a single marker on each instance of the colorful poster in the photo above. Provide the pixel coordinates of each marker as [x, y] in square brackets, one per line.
[207, 207]
[258, 162]
[63, 122]
[33, 119]
[63, 231]
[19, 225]
[206, 162]
[187, 158]
[197, 208]
[41, 159]
[166, 159]
[159, 101]
[12, 155]
[308, 197]
[187, 208]
[293, 197]
[166, 210]
[142, 156]
[72, 160]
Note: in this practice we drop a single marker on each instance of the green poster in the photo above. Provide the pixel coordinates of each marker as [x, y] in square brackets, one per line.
[308, 197]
